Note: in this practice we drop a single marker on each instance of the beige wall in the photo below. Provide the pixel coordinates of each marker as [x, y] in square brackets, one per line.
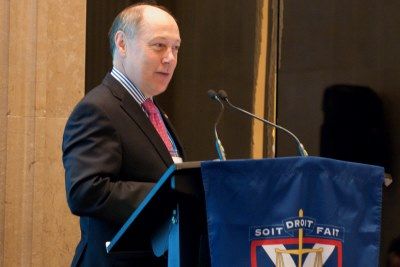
[42, 47]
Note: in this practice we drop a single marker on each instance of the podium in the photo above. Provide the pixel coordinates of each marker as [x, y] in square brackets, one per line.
[178, 221]
[296, 211]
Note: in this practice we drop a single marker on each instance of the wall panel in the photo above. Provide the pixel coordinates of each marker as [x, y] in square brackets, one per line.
[42, 77]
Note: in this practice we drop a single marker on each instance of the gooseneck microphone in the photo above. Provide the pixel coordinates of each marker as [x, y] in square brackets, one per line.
[218, 145]
[300, 148]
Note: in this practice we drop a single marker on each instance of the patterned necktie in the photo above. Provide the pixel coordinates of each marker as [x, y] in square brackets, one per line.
[156, 120]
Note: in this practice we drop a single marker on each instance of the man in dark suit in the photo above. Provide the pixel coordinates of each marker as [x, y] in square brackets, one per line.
[114, 146]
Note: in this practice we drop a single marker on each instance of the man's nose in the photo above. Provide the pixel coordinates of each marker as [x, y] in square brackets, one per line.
[169, 56]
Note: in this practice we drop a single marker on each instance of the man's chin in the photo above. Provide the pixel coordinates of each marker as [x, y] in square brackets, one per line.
[159, 90]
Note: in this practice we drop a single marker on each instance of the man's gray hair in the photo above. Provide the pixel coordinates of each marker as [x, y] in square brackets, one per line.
[129, 21]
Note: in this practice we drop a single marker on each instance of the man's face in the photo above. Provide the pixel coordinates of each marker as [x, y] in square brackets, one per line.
[151, 56]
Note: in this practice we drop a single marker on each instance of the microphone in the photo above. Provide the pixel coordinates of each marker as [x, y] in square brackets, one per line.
[218, 145]
[300, 148]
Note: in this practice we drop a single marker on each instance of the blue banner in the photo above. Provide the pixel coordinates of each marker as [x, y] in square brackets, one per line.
[300, 211]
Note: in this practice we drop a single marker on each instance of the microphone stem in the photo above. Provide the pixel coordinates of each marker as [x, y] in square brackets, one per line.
[218, 144]
[300, 146]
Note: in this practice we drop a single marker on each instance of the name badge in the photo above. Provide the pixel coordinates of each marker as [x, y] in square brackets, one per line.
[177, 159]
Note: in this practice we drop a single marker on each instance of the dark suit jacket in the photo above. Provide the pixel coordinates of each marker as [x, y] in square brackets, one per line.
[112, 157]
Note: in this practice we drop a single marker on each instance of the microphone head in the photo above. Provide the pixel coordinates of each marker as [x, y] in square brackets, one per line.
[212, 94]
[222, 94]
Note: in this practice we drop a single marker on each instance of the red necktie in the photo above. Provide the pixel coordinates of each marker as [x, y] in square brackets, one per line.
[156, 120]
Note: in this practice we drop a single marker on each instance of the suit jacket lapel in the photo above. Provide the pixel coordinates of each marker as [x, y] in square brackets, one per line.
[135, 112]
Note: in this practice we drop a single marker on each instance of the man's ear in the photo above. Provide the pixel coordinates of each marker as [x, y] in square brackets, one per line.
[120, 43]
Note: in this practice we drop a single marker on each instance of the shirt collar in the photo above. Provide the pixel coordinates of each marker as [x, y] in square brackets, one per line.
[129, 86]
